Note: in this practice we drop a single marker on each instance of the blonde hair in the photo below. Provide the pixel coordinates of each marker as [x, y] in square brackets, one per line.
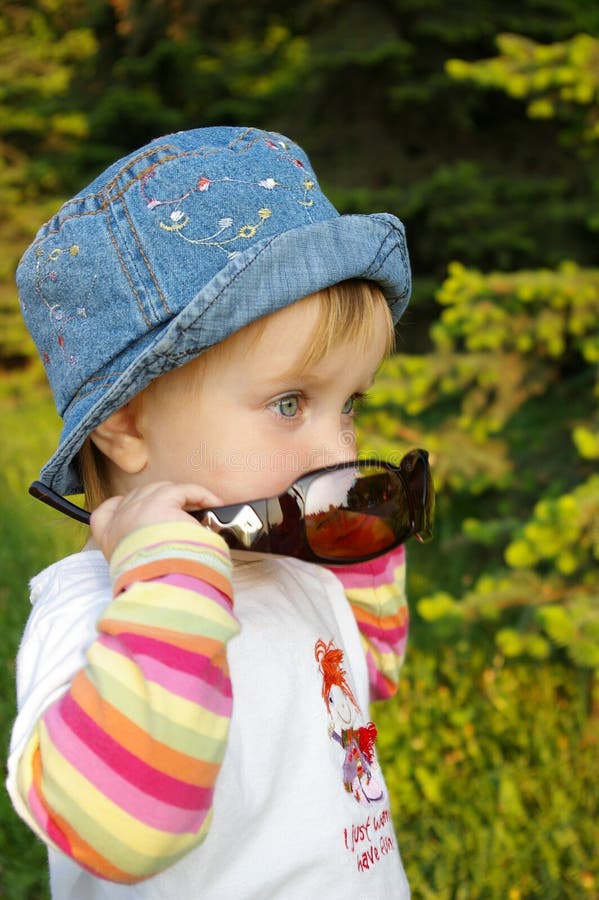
[93, 473]
[348, 312]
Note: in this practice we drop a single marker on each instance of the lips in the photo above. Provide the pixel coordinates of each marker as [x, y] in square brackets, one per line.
[339, 533]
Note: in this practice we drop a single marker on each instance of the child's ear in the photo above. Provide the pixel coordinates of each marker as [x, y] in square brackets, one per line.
[120, 440]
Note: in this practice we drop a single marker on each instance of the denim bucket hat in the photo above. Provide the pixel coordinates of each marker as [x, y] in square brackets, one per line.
[172, 249]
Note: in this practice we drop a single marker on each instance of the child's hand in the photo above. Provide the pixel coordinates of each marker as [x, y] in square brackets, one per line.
[162, 501]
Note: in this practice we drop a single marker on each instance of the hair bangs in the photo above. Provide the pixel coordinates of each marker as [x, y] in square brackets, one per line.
[348, 314]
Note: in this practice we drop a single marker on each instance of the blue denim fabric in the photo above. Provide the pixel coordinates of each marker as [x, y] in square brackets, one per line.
[174, 248]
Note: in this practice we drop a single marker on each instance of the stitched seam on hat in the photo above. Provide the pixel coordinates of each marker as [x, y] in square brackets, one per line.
[159, 162]
[384, 259]
[101, 194]
[106, 190]
[241, 137]
[148, 322]
[101, 197]
[201, 153]
[402, 249]
[101, 381]
[390, 228]
[256, 140]
[110, 198]
[46, 235]
[133, 232]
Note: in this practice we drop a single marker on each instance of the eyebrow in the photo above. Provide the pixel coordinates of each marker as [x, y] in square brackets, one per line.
[289, 381]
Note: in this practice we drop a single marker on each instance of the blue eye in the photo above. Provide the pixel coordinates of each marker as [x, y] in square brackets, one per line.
[288, 406]
[348, 406]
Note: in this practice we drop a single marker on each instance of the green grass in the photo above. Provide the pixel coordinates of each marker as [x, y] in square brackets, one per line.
[492, 768]
[492, 765]
[31, 537]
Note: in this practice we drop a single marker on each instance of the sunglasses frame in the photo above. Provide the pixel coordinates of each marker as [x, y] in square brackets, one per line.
[247, 526]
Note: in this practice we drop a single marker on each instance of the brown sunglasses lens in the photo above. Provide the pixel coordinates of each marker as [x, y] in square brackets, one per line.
[356, 513]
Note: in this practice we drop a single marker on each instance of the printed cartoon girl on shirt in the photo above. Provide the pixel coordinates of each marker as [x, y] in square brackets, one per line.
[357, 742]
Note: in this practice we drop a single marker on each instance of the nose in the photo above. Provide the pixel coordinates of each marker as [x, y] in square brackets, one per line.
[330, 445]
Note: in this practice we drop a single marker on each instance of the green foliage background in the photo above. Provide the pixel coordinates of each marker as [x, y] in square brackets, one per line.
[477, 124]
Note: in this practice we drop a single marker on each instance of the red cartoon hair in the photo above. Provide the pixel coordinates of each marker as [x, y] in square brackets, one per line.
[329, 659]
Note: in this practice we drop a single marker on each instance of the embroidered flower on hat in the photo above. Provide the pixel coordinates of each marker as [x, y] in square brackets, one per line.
[49, 268]
[244, 232]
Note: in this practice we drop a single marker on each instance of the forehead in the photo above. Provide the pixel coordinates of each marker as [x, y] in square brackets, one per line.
[305, 333]
[279, 339]
[281, 346]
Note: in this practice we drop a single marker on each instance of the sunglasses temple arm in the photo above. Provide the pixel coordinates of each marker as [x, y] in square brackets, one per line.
[41, 492]
[246, 533]
[422, 529]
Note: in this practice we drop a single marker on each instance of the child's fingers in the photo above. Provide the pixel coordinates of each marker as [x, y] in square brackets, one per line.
[192, 496]
[149, 505]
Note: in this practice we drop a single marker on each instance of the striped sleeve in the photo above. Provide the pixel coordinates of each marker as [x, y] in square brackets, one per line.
[119, 773]
[377, 596]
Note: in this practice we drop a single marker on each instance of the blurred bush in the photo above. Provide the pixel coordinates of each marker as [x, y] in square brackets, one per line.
[507, 404]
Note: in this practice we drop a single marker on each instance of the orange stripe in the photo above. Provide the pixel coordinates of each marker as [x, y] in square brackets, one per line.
[160, 567]
[159, 756]
[364, 615]
[80, 850]
[389, 684]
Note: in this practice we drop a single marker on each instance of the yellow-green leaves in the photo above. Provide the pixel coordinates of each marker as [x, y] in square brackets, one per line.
[554, 78]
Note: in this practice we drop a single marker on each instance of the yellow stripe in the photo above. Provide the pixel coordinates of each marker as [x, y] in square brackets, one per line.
[167, 625]
[169, 533]
[384, 599]
[158, 595]
[24, 783]
[166, 704]
[389, 664]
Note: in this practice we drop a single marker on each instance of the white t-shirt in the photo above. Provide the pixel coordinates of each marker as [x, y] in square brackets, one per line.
[296, 813]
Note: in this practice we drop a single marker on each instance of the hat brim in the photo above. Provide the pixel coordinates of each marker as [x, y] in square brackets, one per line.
[269, 276]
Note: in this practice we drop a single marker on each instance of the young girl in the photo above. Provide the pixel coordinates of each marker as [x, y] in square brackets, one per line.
[191, 726]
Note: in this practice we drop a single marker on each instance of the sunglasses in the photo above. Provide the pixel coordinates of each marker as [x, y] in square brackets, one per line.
[346, 513]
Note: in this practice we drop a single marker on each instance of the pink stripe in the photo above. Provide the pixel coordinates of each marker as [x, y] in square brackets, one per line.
[398, 649]
[197, 585]
[141, 774]
[185, 686]
[385, 636]
[190, 687]
[176, 657]
[176, 663]
[45, 822]
[379, 686]
[373, 573]
[148, 809]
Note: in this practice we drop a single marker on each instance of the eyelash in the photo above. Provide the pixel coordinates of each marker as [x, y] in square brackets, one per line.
[357, 399]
